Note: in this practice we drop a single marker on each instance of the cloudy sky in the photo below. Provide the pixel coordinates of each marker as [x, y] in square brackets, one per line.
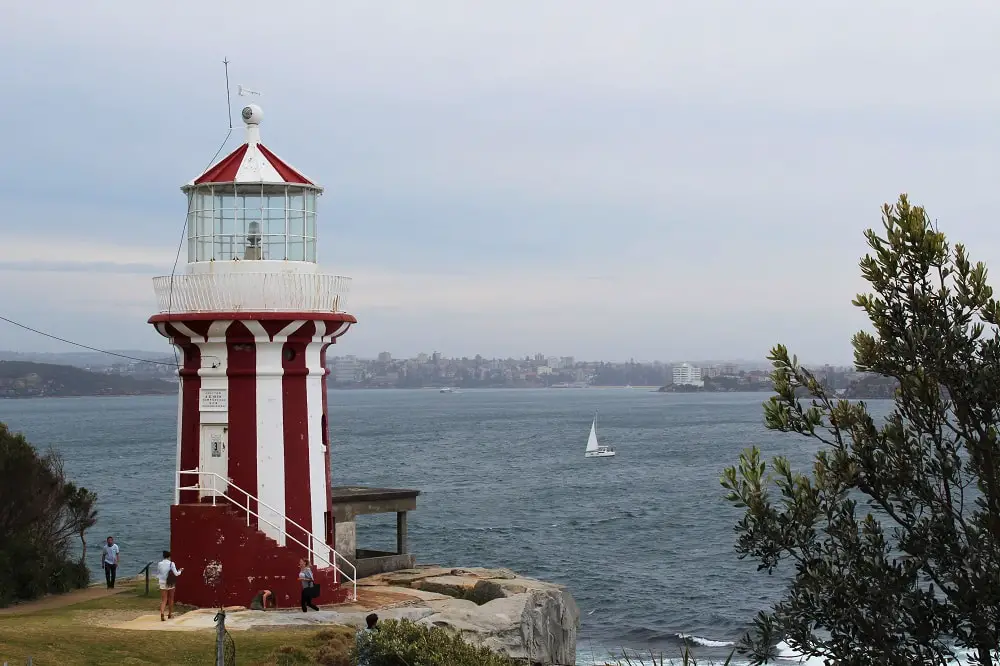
[651, 179]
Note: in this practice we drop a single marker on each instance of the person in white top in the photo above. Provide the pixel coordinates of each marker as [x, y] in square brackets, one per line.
[167, 572]
[109, 561]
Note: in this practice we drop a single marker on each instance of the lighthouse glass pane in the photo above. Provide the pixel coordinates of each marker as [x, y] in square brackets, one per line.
[311, 225]
[311, 249]
[295, 200]
[296, 223]
[311, 201]
[274, 221]
[296, 248]
[275, 201]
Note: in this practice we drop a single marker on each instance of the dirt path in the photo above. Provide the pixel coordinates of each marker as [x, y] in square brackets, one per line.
[54, 601]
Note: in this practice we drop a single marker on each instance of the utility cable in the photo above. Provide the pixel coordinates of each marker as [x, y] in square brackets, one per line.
[77, 344]
[180, 243]
[173, 271]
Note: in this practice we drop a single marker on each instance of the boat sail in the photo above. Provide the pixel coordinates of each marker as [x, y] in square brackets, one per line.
[595, 450]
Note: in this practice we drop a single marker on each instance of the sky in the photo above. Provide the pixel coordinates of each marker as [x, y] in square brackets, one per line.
[610, 180]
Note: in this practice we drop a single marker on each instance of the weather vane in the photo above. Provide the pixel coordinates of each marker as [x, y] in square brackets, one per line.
[243, 92]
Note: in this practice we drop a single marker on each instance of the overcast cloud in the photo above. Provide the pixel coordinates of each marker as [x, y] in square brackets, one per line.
[648, 179]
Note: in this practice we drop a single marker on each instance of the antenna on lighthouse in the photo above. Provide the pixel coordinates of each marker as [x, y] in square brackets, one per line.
[244, 92]
[229, 103]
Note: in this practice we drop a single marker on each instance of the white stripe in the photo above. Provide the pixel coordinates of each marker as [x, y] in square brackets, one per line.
[184, 330]
[255, 168]
[270, 431]
[317, 460]
[180, 429]
[214, 364]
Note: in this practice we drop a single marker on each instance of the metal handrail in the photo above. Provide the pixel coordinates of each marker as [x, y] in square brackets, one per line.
[281, 530]
[146, 570]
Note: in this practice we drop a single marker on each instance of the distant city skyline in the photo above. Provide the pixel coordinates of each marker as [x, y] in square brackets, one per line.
[115, 356]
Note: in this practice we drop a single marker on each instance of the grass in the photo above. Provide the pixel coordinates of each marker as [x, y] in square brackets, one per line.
[79, 634]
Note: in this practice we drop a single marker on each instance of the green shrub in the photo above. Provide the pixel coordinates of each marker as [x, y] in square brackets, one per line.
[407, 644]
[42, 512]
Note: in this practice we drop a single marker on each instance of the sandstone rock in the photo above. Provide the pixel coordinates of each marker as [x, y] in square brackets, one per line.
[483, 573]
[539, 625]
[453, 586]
[405, 577]
[521, 617]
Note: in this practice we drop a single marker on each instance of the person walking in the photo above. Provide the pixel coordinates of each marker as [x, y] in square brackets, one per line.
[307, 580]
[109, 561]
[167, 572]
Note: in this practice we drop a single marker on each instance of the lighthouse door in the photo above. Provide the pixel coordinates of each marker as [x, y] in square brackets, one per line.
[214, 458]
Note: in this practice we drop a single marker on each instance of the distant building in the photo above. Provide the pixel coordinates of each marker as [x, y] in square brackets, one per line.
[384, 357]
[345, 369]
[687, 375]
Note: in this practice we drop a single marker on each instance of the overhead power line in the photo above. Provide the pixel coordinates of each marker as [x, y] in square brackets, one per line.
[77, 344]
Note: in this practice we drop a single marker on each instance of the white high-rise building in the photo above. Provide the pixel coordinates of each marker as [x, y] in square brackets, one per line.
[345, 369]
[687, 375]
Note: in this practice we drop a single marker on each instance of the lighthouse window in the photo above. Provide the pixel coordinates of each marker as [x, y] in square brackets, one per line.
[245, 222]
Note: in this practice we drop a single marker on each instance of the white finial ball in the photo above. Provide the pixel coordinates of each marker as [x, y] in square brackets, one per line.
[252, 114]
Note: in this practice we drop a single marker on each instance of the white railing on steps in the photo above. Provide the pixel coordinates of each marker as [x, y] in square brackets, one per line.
[216, 481]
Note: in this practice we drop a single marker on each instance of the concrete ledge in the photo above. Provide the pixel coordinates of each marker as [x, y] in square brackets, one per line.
[370, 566]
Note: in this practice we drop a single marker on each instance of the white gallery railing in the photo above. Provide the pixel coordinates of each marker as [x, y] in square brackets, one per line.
[252, 292]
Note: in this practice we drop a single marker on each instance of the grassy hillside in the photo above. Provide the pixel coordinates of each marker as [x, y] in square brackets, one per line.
[21, 379]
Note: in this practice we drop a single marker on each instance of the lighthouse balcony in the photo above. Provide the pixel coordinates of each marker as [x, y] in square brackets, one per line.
[252, 292]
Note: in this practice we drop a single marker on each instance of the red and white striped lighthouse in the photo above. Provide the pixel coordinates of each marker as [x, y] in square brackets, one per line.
[252, 315]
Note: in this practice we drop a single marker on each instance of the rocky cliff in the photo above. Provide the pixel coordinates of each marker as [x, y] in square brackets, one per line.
[524, 618]
[521, 617]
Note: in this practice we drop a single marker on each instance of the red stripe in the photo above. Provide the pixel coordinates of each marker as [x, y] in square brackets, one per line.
[241, 372]
[226, 170]
[289, 174]
[190, 412]
[295, 410]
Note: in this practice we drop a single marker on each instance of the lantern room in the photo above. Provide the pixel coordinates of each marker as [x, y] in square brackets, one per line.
[251, 206]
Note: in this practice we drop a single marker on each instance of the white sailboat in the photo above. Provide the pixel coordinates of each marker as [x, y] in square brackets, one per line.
[594, 450]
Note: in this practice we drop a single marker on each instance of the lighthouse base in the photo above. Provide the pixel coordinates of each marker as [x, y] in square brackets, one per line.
[203, 537]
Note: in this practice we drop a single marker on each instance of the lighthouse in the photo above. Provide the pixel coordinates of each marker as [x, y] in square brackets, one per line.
[251, 315]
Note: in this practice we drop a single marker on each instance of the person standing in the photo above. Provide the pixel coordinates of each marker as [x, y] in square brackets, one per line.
[167, 572]
[307, 580]
[109, 560]
[363, 641]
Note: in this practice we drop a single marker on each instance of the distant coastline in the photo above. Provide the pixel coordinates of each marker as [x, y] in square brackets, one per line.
[24, 379]
[869, 387]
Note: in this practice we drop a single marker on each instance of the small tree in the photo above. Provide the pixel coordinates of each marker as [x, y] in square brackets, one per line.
[894, 536]
[81, 504]
[40, 512]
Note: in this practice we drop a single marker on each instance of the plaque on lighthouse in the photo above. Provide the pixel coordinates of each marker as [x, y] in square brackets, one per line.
[214, 400]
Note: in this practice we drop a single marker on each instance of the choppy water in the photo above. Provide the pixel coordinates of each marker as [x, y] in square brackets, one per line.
[643, 540]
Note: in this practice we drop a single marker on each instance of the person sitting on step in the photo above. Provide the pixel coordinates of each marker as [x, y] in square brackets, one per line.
[262, 600]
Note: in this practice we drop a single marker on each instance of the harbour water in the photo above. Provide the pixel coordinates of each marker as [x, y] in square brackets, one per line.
[643, 540]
